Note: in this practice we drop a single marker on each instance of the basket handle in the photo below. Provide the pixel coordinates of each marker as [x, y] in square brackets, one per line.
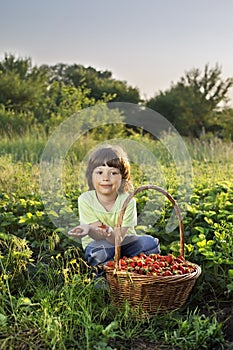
[118, 237]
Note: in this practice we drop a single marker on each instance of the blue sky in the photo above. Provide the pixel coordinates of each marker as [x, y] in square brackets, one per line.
[147, 43]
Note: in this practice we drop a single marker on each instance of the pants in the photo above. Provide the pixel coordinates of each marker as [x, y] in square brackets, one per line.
[99, 252]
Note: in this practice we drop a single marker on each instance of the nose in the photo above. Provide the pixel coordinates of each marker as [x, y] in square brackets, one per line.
[106, 176]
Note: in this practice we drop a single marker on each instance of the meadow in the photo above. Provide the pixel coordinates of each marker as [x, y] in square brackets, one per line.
[49, 297]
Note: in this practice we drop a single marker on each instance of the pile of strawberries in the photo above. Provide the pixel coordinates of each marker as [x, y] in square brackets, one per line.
[155, 265]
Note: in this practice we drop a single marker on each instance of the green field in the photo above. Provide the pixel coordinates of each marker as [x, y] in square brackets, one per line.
[49, 298]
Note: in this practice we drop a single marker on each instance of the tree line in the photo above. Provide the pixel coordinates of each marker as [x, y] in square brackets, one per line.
[45, 95]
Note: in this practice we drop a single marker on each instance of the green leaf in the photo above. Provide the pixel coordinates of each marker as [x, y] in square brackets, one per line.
[230, 287]
[22, 220]
[208, 220]
[210, 243]
[200, 229]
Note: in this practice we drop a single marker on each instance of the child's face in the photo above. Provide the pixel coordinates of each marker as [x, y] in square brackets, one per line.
[106, 180]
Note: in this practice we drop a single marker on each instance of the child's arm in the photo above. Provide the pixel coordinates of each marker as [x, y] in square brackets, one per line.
[97, 231]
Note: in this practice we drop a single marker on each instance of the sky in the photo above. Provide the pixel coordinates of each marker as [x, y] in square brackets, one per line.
[150, 44]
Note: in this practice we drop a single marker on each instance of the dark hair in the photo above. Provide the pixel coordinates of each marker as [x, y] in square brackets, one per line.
[113, 156]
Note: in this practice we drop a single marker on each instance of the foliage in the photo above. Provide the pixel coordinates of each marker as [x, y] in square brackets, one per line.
[208, 236]
[99, 83]
[208, 230]
[60, 102]
[191, 103]
[223, 123]
[12, 122]
[46, 95]
[190, 331]
[49, 296]
[22, 85]
[53, 319]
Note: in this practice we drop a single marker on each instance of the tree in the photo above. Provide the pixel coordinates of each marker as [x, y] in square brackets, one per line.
[191, 103]
[212, 87]
[30, 94]
[99, 83]
[222, 123]
[21, 85]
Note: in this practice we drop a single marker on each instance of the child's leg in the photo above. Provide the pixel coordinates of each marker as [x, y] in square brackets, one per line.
[99, 252]
[134, 245]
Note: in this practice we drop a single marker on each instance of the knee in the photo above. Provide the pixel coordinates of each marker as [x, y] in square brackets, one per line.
[98, 255]
[150, 245]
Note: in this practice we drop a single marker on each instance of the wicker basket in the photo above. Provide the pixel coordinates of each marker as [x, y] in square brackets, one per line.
[152, 294]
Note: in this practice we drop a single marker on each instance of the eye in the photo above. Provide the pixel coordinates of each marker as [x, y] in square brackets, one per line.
[114, 173]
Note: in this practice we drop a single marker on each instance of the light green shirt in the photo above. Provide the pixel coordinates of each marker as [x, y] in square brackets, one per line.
[91, 210]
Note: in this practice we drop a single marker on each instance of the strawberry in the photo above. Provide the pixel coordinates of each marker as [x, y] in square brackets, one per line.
[110, 264]
[148, 260]
[182, 269]
[167, 273]
[103, 226]
[155, 264]
[122, 264]
[158, 273]
[175, 267]
[139, 263]
[135, 257]
[162, 264]
[180, 259]
[169, 259]
[152, 268]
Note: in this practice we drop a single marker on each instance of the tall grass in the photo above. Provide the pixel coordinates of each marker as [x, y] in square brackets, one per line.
[18, 177]
[212, 160]
[26, 147]
[20, 158]
[210, 149]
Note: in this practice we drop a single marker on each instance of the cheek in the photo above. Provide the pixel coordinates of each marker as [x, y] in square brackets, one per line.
[119, 182]
[94, 178]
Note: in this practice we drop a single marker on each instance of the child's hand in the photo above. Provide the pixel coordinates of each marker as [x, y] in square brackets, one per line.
[79, 231]
[104, 231]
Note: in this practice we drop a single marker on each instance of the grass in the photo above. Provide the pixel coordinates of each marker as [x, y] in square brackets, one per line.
[75, 314]
[51, 300]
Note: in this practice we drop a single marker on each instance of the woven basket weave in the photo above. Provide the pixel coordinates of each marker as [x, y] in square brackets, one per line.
[152, 294]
